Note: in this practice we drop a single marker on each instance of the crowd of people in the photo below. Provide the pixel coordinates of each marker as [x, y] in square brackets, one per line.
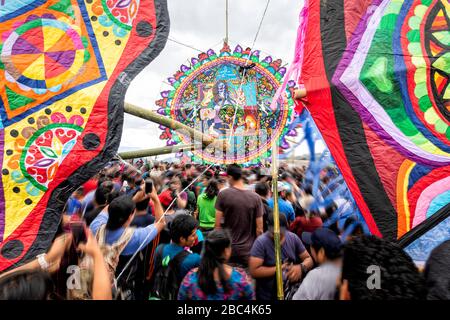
[196, 232]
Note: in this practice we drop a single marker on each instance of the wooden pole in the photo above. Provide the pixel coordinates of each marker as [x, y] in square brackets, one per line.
[167, 122]
[156, 151]
[276, 224]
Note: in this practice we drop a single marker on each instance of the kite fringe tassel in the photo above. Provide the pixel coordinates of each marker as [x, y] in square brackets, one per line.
[294, 71]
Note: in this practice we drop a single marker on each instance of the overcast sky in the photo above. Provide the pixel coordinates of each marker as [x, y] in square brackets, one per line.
[201, 24]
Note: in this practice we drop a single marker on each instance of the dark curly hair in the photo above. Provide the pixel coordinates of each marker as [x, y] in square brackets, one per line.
[181, 227]
[437, 272]
[400, 278]
[27, 285]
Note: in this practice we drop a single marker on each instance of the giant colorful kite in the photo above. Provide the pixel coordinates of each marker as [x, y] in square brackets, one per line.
[229, 94]
[65, 66]
[377, 77]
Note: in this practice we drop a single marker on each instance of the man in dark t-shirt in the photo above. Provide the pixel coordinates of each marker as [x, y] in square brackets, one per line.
[296, 260]
[240, 211]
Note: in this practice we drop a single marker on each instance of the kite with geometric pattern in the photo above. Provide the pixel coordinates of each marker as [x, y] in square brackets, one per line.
[65, 66]
[377, 77]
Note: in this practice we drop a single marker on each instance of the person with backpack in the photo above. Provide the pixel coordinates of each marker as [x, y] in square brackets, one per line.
[115, 225]
[116, 237]
[214, 279]
[133, 282]
[172, 260]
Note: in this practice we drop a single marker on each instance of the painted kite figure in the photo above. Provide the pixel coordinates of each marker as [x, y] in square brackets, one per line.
[230, 93]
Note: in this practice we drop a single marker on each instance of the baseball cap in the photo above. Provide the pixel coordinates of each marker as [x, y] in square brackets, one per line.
[223, 174]
[323, 238]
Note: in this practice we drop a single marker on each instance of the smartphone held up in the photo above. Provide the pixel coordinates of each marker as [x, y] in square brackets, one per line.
[148, 185]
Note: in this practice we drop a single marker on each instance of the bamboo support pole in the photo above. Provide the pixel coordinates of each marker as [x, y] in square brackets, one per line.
[167, 122]
[155, 151]
[276, 219]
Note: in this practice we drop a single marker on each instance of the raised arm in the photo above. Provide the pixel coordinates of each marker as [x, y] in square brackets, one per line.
[101, 287]
[181, 203]
[52, 258]
[157, 204]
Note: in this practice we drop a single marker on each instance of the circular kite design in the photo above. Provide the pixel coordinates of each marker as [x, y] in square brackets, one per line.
[45, 150]
[43, 53]
[425, 46]
[208, 94]
[412, 122]
[438, 47]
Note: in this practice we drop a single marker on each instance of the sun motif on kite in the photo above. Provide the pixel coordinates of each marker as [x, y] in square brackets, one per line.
[43, 54]
[45, 59]
[437, 44]
[47, 148]
[220, 88]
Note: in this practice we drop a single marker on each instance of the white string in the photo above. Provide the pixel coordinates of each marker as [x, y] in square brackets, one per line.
[183, 44]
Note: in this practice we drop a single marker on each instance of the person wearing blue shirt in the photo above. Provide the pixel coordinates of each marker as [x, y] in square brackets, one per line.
[120, 214]
[183, 233]
[284, 206]
[73, 205]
